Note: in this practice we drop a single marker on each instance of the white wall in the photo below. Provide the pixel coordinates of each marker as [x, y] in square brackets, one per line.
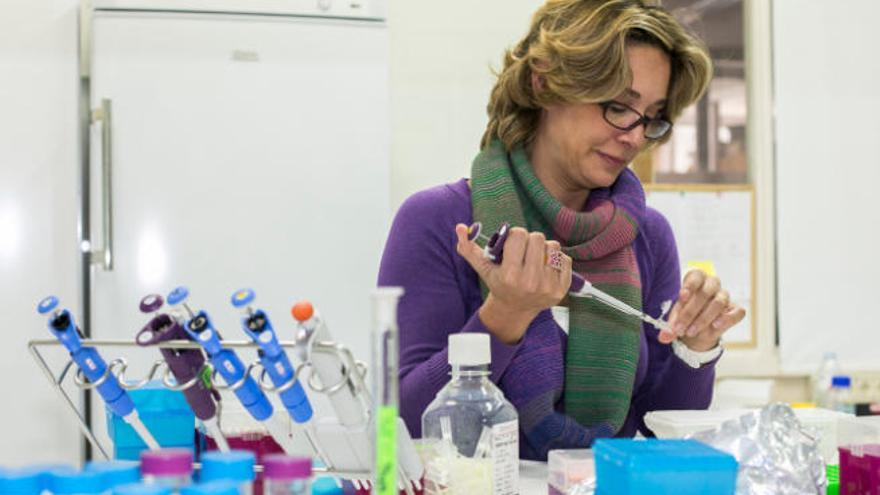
[441, 58]
[442, 54]
[38, 205]
[827, 101]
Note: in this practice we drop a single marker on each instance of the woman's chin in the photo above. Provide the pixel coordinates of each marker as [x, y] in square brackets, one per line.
[600, 180]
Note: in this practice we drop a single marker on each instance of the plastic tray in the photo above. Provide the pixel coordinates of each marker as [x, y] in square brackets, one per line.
[662, 467]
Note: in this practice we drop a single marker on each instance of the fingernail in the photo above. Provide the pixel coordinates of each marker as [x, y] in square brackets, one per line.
[717, 324]
[685, 294]
[692, 330]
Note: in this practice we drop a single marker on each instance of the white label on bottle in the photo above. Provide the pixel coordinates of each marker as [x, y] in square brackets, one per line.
[505, 457]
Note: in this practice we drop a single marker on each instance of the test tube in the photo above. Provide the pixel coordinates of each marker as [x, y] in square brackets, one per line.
[286, 475]
[171, 468]
[236, 466]
[385, 392]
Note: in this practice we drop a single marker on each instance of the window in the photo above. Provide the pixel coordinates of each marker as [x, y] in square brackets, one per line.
[708, 144]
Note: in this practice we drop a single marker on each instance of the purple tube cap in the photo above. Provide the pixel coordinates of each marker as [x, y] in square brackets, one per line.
[282, 467]
[167, 462]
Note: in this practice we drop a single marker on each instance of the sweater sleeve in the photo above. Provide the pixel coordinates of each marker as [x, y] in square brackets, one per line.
[670, 383]
[420, 256]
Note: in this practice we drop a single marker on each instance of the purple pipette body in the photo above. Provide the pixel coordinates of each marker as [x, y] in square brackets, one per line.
[495, 249]
[185, 364]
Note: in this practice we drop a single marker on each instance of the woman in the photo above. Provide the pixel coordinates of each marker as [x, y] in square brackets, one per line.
[591, 85]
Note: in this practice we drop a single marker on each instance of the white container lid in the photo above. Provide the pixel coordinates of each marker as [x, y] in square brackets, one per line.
[469, 349]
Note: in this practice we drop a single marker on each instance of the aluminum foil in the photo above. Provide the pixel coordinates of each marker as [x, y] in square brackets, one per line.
[776, 454]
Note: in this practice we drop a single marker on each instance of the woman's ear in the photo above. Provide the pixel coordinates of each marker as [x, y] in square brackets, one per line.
[537, 83]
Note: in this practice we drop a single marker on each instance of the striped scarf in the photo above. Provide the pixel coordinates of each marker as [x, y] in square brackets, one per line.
[603, 344]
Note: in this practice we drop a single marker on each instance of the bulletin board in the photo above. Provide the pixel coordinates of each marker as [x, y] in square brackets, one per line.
[715, 224]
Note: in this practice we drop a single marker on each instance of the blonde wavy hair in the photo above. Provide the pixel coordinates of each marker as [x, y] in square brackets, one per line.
[578, 48]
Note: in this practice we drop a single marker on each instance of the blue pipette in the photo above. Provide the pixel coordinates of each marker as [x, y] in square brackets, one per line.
[257, 326]
[227, 363]
[93, 366]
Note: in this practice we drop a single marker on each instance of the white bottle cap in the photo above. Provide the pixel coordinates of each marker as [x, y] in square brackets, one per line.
[469, 349]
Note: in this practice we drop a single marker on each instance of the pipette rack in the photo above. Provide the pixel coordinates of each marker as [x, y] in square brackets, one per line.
[353, 375]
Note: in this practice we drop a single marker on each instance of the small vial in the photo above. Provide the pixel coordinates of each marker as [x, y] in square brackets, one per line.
[171, 468]
[236, 466]
[211, 488]
[115, 473]
[286, 475]
[141, 489]
[21, 481]
[840, 394]
[70, 482]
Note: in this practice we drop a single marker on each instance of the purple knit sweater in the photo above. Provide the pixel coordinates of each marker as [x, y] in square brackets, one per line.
[442, 296]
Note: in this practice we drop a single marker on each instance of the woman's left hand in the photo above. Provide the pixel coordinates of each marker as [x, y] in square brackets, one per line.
[703, 312]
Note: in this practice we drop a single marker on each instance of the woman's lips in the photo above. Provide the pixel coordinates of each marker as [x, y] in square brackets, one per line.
[614, 161]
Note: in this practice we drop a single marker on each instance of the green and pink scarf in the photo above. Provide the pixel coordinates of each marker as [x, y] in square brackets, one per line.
[603, 344]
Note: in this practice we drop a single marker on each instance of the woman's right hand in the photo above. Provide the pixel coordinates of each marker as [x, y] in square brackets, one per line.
[523, 284]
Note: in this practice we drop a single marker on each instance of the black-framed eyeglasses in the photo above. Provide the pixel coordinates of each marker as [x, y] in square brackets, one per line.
[627, 118]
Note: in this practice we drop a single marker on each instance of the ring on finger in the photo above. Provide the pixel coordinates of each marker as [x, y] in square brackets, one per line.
[555, 259]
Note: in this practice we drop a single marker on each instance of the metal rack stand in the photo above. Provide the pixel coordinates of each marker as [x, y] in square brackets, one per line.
[353, 375]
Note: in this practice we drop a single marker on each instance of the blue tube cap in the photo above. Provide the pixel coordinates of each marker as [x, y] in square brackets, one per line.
[141, 489]
[116, 473]
[21, 481]
[178, 295]
[326, 485]
[236, 465]
[841, 381]
[47, 304]
[64, 482]
[243, 297]
[211, 488]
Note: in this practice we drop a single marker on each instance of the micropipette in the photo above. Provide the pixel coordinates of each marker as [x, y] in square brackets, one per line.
[93, 366]
[227, 363]
[187, 366]
[580, 287]
[257, 326]
[343, 383]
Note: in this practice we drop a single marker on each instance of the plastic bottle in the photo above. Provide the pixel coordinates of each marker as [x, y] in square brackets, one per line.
[474, 428]
[141, 489]
[822, 381]
[236, 466]
[840, 395]
[116, 473]
[21, 481]
[167, 467]
[64, 482]
[286, 475]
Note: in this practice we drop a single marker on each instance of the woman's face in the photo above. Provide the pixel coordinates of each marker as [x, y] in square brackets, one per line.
[583, 151]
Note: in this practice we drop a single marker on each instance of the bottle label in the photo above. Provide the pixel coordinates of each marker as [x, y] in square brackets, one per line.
[505, 458]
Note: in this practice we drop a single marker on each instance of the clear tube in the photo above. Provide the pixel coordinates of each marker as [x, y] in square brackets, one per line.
[385, 392]
[287, 486]
[175, 483]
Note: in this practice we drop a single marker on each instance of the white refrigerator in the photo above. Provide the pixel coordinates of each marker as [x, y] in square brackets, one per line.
[234, 144]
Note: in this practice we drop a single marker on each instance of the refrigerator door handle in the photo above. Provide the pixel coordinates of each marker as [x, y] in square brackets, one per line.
[103, 114]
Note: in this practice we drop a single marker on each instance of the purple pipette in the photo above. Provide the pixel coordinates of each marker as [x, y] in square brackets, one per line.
[187, 365]
[580, 287]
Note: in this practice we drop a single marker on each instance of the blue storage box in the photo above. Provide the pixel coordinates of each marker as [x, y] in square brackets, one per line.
[662, 467]
[166, 415]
